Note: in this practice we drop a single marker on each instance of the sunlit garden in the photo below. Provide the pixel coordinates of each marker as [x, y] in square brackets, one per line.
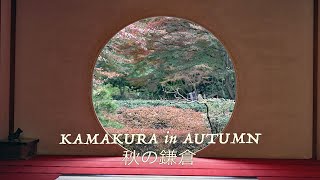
[164, 75]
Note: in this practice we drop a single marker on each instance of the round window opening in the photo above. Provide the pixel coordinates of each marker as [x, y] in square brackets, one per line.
[164, 76]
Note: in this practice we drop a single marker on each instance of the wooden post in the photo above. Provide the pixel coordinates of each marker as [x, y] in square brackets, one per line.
[12, 66]
[315, 79]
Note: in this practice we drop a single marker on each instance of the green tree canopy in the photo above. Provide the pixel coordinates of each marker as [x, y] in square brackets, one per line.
[166, 56]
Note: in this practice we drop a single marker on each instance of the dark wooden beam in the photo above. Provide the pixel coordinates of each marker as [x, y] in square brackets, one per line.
[12, 66]
[315, 80]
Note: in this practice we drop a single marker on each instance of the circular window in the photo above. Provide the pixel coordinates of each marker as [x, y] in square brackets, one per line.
[164, 76]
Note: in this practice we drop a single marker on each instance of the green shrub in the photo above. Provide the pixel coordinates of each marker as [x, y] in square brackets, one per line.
[151, 103]
[103, 104]
[111, 124]
[220, 111]
[102, 100]
[225, 104]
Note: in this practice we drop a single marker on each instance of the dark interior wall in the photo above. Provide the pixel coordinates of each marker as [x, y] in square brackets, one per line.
[270, 42]
[4, 67]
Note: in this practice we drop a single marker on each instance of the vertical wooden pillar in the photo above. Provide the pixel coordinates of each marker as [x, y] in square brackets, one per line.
[12, 65]
[316, 123]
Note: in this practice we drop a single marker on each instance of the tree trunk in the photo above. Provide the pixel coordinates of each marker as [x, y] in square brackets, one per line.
[229, 87]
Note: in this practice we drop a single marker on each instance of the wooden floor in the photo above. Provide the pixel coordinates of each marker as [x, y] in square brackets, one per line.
[51, 167]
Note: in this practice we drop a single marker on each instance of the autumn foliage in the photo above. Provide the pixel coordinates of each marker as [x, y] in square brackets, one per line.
[159, 120]
[163, 75]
